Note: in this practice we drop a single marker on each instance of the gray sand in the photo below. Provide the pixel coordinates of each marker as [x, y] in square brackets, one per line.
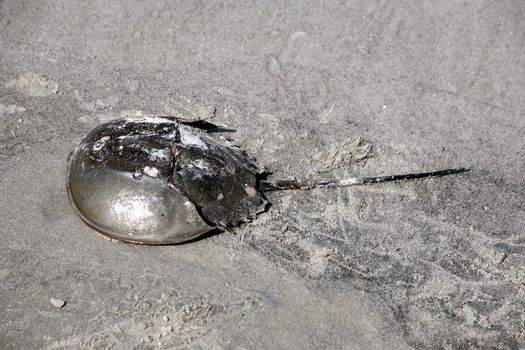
[340, 89]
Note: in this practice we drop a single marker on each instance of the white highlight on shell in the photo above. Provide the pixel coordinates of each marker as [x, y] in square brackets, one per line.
[151, 171]
[159, 154]
[189, 137]
[201, 164]
[153, 120]
[97, 146]
[134, 209]
[140, 117]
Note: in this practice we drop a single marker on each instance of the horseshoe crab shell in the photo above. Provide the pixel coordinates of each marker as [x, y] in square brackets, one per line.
[161, 180]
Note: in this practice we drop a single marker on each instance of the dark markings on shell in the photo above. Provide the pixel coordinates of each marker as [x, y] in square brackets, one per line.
[161, 180]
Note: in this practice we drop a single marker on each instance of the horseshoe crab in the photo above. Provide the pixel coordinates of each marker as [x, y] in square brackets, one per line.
[164, 180]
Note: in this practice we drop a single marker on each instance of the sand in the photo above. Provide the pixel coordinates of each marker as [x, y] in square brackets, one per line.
[314, 89]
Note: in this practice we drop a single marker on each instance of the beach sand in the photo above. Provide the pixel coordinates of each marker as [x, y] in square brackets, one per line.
[314, 89]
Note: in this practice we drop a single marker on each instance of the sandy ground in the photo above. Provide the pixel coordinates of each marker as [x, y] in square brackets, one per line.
[313, 89]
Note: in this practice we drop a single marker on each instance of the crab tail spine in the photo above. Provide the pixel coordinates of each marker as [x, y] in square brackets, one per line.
[307, 184]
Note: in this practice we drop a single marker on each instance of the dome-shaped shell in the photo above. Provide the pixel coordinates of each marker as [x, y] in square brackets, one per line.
[157, 181]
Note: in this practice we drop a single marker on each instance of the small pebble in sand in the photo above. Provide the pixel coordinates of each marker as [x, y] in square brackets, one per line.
[58, 302]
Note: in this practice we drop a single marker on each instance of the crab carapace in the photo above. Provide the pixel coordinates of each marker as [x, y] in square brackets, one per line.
[165, 180]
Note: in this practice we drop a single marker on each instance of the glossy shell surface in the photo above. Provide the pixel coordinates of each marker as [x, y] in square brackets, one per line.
[161, 181]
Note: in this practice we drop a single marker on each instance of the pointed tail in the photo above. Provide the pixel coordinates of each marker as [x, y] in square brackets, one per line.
[307, 184]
